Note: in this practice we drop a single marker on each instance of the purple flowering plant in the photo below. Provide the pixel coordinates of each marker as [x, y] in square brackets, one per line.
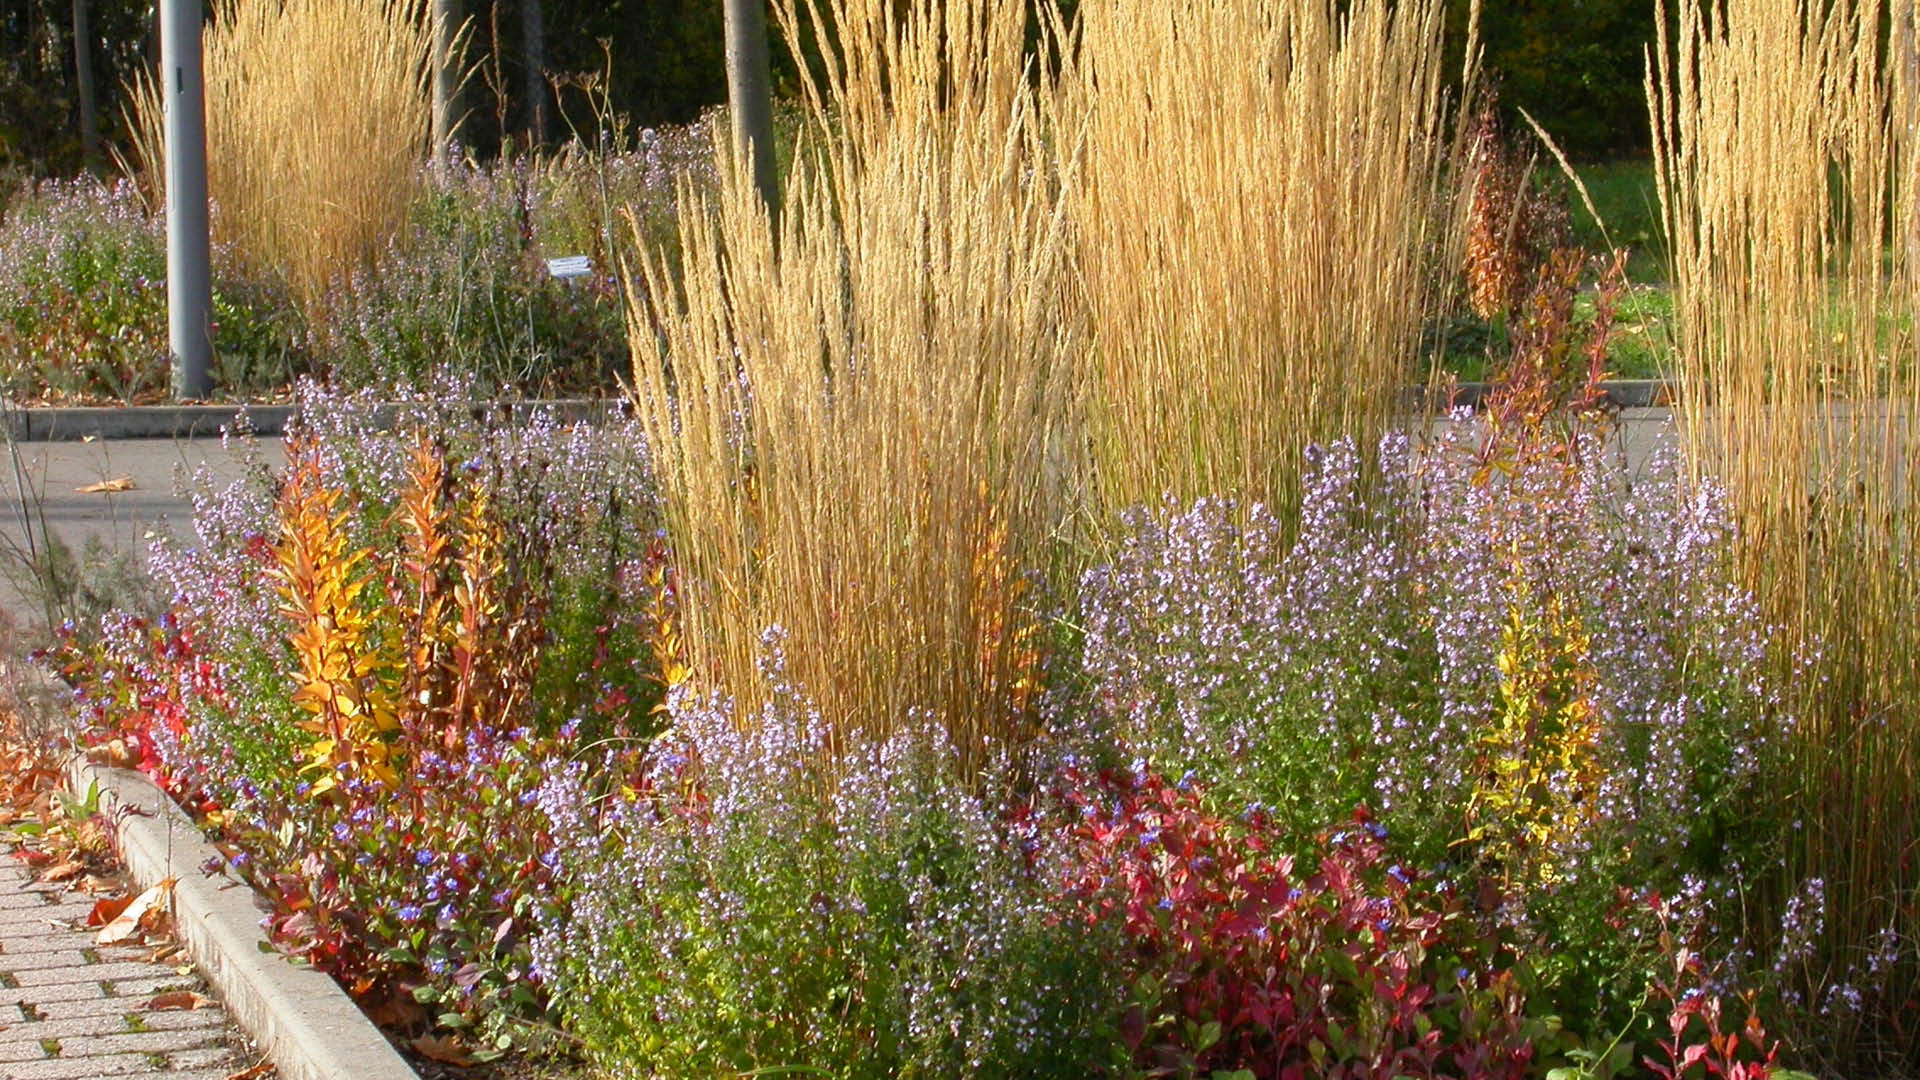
[1536, 664]
[757, 899]
[467, 287]
[83, 302]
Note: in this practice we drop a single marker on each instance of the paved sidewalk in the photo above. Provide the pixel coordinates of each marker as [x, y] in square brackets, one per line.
[70, 1010]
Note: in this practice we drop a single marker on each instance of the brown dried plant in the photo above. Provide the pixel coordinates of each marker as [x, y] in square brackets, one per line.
[1513, 228]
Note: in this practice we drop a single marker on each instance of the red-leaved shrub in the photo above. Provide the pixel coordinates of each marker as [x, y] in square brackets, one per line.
[1239, 959]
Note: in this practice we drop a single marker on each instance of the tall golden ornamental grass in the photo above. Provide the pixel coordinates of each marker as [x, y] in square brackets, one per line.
[318, 114]
[1009, 296]
[857, 426]
[1786, 170]
[1260, 231]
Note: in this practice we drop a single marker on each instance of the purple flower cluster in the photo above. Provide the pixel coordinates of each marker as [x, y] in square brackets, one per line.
[1354, 655]
[769, 896]
[83, 301]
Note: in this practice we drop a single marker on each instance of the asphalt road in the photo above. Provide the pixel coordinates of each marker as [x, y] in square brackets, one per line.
[144, 495]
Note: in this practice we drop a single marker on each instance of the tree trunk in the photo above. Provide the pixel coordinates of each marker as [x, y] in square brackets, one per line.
[533, 36]
[447, 24]
[750, 94]
[83, 83]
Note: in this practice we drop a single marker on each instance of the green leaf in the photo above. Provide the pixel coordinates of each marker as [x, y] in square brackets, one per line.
[1209, 1034]
[426, 995]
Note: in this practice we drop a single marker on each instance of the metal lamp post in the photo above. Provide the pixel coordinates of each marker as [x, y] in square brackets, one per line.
[189, 255]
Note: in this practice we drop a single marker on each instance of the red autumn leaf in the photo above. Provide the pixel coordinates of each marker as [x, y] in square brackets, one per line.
[105, 911]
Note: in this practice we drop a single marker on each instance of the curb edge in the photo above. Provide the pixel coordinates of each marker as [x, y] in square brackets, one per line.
[299, 1017]
[73, 423]
[63, 423]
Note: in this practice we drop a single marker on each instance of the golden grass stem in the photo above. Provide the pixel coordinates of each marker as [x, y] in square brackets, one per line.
[1786, 187]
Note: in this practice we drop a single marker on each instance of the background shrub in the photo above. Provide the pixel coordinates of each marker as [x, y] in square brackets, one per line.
[466, 286]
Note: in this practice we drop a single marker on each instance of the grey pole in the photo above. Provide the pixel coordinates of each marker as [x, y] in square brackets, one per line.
[750, 94]
[189, 255]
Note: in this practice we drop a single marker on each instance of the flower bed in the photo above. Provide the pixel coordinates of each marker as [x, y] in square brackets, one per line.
[464, 284]
[1467, 764]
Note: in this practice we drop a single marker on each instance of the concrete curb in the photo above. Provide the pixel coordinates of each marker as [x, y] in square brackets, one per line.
[69, 424]
[299, 1017]
[64, 424]
[1623, 393]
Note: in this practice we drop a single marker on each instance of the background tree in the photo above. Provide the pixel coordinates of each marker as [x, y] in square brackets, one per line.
[1576, 67]
[83, 83]
[42, 112]
[533, 43]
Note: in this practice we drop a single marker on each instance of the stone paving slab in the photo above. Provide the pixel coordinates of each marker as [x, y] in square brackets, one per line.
[71, 1010]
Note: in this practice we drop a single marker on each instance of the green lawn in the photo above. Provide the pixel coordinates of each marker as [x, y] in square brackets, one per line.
[1642, 337]
[1623, 192]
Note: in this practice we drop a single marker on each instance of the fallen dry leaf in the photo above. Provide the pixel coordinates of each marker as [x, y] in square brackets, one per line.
[103, 883]
[107, 487]
[114, 752]
[179, 999]
[154, 920]
[62, 871]
[132, 921]
[254, 1073]
[444, 1050]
